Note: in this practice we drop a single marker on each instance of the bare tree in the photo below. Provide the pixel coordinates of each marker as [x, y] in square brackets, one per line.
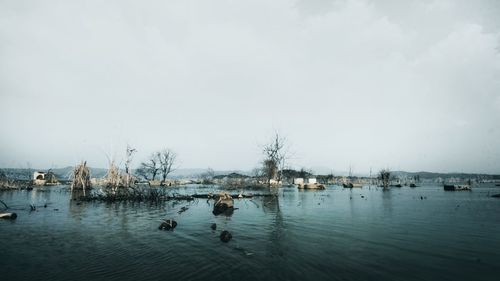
[167, 158]
[128, 159]
[207, 177]
[150, 169]
[275, 157]
[384, 176]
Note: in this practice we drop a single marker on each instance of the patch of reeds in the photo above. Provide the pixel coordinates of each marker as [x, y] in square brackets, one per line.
[113, 178]
[81, 177]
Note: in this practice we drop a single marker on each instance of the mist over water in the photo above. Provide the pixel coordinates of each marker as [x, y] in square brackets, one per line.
[421, 233]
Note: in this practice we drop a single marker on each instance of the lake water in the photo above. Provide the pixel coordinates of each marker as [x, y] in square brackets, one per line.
[333, 234]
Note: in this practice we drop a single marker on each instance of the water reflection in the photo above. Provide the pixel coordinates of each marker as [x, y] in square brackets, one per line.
[387, 201]
[295, 235]
[75, 205]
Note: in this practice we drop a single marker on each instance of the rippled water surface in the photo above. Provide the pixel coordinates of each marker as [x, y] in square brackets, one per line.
[421, 233]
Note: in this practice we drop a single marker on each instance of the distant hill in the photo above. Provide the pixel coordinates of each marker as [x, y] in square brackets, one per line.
[196, 173]
[433, 176]
[65, 173]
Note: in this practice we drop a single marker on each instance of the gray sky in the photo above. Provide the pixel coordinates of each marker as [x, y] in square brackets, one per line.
[411, 85]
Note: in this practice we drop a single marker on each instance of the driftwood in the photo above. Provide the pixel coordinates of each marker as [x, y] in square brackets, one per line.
[11, 216]
[7, 215]
[6, 207]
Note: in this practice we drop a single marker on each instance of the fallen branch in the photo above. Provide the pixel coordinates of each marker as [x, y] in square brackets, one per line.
[6, 207]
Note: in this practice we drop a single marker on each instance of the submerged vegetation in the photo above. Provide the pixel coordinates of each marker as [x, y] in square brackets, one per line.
[81, 177]
[384, 177]
[143, 193]
[113, 178]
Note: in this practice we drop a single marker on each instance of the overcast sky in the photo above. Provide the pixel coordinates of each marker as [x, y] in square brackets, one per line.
[405, 85]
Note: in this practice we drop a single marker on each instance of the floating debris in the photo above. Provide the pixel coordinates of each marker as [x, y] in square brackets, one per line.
[225, 236]
[182, 210]
[213, 226]
[496, 195]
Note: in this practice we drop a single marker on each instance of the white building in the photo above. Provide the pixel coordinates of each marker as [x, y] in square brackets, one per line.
[39, 175]
[39, 178]
[298, 181]
[311, 181]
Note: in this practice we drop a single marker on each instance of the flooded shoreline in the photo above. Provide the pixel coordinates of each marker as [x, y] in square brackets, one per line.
[405, 233]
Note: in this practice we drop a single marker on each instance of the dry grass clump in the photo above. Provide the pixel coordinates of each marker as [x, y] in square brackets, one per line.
[81, 177]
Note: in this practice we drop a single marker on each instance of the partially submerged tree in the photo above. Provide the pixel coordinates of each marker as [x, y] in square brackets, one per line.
[113, 178]
[129, 153]
[274, 158]
[208, 176]
[384, 177]
[150, 168]
[81, 177]
[50, 177]
[270, 170]
[167, 159]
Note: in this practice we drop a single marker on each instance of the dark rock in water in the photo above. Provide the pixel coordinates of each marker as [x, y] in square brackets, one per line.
[168, 225]
[213, 226]
[225, 236]
[45, 206]
[496, 195]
